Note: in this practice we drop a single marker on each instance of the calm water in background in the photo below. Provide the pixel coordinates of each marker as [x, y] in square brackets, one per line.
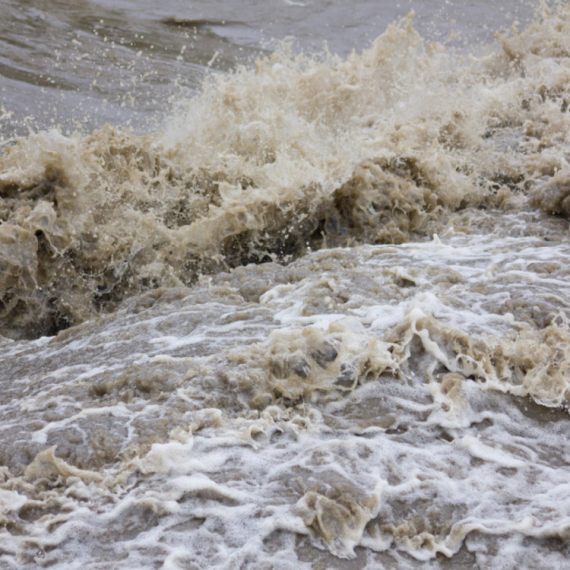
[82, 64]
[269, 305]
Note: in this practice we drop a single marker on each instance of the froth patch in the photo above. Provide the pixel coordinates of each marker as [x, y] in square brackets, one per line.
[339, 517]
[299, 363]
[49, 467]
[528, 363]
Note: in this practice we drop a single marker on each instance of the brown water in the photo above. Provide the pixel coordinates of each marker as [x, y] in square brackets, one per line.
[286, 309]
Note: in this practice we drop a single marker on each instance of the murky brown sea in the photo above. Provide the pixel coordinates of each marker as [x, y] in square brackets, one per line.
[262, 307]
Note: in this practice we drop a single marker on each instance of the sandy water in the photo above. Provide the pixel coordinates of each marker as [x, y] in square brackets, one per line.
[308, 313]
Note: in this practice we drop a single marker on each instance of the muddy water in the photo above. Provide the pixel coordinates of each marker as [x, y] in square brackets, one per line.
[285, 309]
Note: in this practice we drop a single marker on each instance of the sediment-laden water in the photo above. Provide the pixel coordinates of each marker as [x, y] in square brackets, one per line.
[263, 306]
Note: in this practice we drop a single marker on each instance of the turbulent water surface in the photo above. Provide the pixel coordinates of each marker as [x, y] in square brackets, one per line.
[270, 303]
